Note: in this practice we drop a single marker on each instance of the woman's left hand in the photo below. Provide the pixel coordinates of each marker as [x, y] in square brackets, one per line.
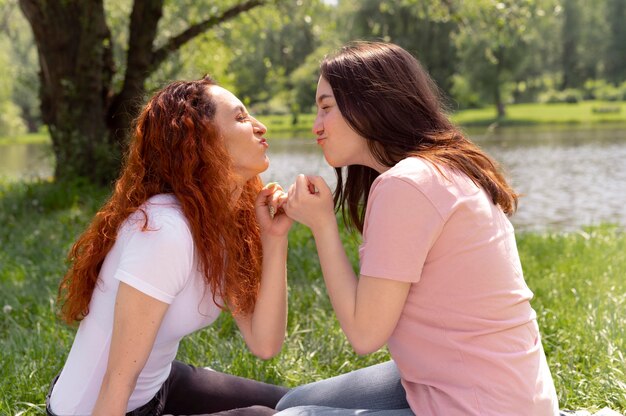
[269, 210]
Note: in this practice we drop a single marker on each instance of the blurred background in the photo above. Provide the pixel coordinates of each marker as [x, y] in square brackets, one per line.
[540, 84]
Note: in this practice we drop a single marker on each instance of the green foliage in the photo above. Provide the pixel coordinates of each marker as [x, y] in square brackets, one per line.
[11, 123]
[569, 95]
[577, 279]
[304, 79]
[268, 44]
[615, 15]
[422, 27]
[464, 95]
[602, 90]
[19, 83]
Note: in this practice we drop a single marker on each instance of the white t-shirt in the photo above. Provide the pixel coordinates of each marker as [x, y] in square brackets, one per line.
[161, 263]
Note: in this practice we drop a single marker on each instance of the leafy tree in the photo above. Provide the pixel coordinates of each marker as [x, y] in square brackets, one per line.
[10, 120]
[616, 51]
[423, 27]
[493, 41]
[271, 44]
[86, 102]
[19, 73]
[571, 35]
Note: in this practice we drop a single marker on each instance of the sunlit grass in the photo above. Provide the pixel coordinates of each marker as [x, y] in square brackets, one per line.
[578, 280]
[40, 137]
[281, 126]
[558, 113]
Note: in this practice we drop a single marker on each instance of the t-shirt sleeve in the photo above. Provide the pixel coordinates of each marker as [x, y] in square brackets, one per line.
[401, 226]
[157, 261]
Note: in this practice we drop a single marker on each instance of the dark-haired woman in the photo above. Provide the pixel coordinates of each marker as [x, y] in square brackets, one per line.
[440, 279]
[186, 233]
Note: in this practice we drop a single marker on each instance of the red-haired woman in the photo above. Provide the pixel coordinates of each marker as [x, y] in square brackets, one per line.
[186, 233]
[440, 279]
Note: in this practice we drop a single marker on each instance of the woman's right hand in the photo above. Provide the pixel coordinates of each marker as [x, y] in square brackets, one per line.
[310, 202]
[269, 211]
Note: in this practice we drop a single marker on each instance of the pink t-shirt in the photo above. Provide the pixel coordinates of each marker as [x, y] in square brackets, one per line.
[467, 342]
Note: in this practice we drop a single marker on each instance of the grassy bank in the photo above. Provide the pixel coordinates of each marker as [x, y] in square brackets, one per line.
[41, 137]
[578, 280]
[584, 113]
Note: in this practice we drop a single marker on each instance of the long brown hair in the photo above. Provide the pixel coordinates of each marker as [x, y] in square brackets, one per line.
[386, 96]
[176, 148]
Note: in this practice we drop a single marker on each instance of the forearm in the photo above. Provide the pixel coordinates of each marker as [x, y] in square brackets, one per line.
[341, 281]
[114, 394]
[269, 319]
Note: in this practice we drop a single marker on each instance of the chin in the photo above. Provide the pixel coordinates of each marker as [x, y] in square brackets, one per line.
[266, 164]
[334, 163]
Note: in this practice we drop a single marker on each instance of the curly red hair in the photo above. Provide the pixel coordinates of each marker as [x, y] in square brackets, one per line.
[177, 149]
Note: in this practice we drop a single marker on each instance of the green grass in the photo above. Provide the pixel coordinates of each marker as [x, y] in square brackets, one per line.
[280, 126]
[578, 280]
[529, 114]
[41, 137]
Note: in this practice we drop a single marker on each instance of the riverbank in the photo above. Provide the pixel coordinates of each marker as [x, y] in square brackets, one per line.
[586, 113]
[534, 114]
[577, 278]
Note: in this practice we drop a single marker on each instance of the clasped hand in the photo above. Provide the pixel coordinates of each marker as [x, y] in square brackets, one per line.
[308, 201]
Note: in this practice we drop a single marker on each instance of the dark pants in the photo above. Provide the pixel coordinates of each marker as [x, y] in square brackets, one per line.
[198, 391]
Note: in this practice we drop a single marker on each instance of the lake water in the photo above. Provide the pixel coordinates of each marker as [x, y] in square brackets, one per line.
[569, 177]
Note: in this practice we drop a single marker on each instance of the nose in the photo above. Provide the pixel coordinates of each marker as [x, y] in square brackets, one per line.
[318, 126]
[259, 128]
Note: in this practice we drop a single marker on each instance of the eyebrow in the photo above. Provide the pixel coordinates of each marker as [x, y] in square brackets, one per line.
[239, 109]
[323, 97]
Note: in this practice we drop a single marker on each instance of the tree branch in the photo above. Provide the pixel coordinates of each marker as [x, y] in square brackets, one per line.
[178, 41]
[144, 20]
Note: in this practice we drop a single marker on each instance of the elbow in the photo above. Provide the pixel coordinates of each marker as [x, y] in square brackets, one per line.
[365, 344]
[266, 353]
[364, 349]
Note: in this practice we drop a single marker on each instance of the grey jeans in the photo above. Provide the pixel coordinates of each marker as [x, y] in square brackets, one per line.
[374, 390]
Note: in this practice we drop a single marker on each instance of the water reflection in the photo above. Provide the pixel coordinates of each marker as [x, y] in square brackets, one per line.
[26, 161]
[569, 177]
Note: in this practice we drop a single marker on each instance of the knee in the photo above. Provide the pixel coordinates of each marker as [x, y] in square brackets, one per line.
[302, 411]
[288, 400]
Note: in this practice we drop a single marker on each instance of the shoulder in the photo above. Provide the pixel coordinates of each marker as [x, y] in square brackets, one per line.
[412, 174]
[436, 183]
[164, 217]
[413, 171]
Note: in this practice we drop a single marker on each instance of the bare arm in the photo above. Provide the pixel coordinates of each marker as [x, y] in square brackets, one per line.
[137, 319]
[367, 308]
[264, 329]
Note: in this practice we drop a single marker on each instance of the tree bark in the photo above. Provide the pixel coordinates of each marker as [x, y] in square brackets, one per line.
[88, 122]
[73, 43]
[500, 108]
[125, 106]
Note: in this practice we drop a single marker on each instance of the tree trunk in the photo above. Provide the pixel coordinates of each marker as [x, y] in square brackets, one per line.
[126, 105]
[88, 123]
[73, 43]
[501, 110]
